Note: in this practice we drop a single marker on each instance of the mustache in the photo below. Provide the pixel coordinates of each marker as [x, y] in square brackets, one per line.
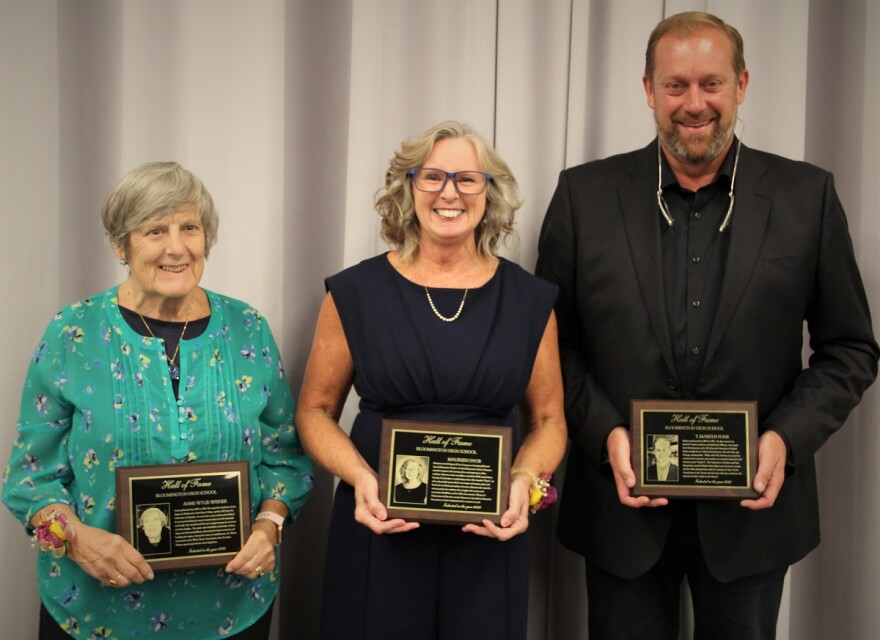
[710, 117]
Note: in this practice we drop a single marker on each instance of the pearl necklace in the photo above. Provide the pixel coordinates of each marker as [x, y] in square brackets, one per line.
[440, 315]
[173, 368]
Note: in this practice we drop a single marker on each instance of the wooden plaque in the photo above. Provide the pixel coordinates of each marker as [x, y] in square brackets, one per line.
[443, 472]
[181, 516]
[694, 449]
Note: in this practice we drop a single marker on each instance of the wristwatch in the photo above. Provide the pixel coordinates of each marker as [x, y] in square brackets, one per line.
[277, 519]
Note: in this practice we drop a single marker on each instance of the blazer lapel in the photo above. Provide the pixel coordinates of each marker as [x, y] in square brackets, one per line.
[750, 212]
[641, 218]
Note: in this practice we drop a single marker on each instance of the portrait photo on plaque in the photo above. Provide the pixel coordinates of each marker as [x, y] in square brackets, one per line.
[694, 448]
[444, 473]
[411, 484]
[154, 529]
[663, 458]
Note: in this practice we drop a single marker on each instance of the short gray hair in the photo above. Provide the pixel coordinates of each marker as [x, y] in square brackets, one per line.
[394, 202]
[152, 191]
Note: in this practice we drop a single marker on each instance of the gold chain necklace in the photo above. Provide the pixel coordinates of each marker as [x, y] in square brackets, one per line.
[440, 315]
[172, 362]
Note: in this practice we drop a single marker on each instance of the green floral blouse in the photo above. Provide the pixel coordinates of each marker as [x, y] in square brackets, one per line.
[98, 396]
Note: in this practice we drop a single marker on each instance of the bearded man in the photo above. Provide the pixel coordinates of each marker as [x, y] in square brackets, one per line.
[686, 271]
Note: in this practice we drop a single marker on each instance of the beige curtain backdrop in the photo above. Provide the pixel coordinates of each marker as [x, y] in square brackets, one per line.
[290, 110]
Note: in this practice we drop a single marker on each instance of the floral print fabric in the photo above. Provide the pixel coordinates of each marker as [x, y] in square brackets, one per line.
[98, 396]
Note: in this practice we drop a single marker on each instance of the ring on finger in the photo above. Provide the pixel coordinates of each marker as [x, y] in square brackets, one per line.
[259, 570]
[113, 581]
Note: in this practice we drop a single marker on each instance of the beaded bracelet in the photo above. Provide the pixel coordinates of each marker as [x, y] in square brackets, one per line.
[54, 533]
[541, 493]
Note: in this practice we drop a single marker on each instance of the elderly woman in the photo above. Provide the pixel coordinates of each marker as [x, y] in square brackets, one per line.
[439, 329]
[156, 370]
[153, 535]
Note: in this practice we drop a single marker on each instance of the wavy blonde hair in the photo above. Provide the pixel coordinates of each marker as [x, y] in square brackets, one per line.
[394, 202]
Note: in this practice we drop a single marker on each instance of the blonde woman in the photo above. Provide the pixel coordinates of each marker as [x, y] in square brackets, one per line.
[442, 329]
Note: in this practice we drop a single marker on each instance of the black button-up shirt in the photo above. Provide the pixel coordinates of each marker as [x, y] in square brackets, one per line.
[694, 256]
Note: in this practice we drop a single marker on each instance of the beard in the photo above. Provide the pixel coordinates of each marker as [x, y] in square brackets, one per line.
[696, 149]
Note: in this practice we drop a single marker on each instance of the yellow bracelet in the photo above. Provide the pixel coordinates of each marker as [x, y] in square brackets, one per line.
[541, 493]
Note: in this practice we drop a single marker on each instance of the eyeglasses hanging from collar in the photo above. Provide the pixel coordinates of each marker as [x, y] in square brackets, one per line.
[661, 201]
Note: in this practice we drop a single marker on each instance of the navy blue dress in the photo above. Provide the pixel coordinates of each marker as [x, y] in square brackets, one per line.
[435, 582]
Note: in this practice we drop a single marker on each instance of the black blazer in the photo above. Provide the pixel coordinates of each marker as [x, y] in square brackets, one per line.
[790, 260]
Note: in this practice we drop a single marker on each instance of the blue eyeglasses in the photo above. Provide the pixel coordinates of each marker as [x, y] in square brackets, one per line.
[468, 183]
